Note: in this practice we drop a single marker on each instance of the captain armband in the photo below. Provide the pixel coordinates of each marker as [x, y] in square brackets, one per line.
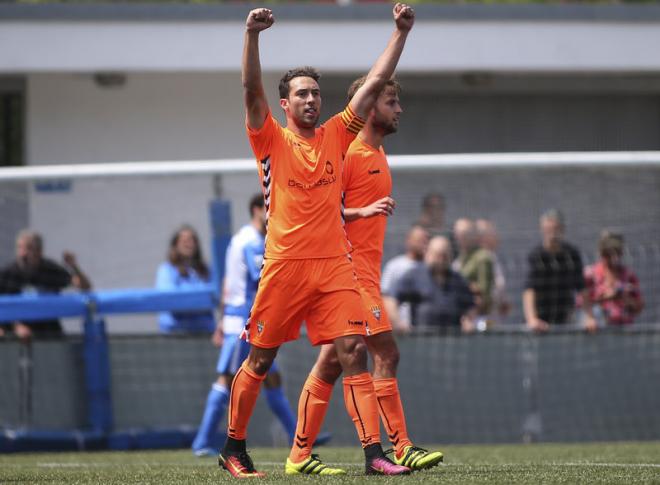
[352, 121]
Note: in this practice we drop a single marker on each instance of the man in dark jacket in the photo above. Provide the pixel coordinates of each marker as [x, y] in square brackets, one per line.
[30, 272]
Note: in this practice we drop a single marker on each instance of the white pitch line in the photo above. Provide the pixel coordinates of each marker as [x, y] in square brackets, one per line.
[454, 464]
[150, 463]
[104, 465]
[345, 464]
[624, 465]
[576, 464]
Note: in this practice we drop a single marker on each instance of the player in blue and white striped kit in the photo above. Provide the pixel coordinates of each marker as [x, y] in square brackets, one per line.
[243, 265]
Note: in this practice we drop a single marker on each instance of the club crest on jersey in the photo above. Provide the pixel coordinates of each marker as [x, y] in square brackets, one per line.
[376, 311]
[260, 326]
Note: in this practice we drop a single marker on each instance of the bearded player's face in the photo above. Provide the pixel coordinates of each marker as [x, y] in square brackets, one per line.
[387, 111]
[304, 102]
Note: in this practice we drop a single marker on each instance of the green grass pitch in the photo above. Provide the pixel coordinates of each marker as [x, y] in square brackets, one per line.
[603, 463]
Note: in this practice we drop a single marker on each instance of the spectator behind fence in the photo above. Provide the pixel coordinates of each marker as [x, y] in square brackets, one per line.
[476, 266]
[432, 217]
[30, 272]
[184, 269]
[613, 288]
[553, 279]
[438, 295]
[489, 240]
[416, 242]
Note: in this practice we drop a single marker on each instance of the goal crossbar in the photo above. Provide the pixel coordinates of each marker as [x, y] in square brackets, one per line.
[397, 163]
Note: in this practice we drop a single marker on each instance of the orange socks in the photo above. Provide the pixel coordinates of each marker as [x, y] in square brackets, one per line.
[312, 407]
[360, 399]
[365, 398]
[243, 396]
[391, 412]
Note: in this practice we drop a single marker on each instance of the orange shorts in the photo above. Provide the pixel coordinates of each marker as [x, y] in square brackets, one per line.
[321, 292]
[377, 320]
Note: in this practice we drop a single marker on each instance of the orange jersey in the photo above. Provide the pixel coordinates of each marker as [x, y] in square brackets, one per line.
[301, 181]
[367, 178]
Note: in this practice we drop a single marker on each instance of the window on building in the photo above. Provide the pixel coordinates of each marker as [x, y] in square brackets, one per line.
[12, 117]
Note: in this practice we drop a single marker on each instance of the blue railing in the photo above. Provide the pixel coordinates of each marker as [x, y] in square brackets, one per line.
[91, 307]
[100, 303]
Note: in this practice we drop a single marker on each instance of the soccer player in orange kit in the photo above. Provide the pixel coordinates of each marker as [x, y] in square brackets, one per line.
[307, 274]
[367, 187]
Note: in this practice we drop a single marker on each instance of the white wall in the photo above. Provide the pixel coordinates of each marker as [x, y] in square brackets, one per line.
[120, 228]
[166, 116]
[435, 45]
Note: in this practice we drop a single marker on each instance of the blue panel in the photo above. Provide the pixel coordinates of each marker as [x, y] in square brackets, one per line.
[150, 300]
[53, 186]
[17, 441]
[42, 307]
[97, 375]
[220, 219]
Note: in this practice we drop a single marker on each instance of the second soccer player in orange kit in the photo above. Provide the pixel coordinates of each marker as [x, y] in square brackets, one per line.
[307, 273]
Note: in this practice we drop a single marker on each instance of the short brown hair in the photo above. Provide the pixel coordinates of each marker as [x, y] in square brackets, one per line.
[305, 71]
[610, 241]
[359, 82]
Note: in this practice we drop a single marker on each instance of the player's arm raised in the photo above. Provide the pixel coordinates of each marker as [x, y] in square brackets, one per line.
[385, 65]
[256, 104]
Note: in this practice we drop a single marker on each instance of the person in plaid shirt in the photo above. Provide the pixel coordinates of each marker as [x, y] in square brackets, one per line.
[611, 285]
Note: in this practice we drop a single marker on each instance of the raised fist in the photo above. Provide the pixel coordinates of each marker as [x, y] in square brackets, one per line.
[404, 16]
[259, 19]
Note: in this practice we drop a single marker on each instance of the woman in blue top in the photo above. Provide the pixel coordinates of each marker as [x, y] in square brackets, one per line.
[184, 269]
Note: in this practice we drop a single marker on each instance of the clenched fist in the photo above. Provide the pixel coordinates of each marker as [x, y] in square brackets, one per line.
[259, 19]
[404, 16]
